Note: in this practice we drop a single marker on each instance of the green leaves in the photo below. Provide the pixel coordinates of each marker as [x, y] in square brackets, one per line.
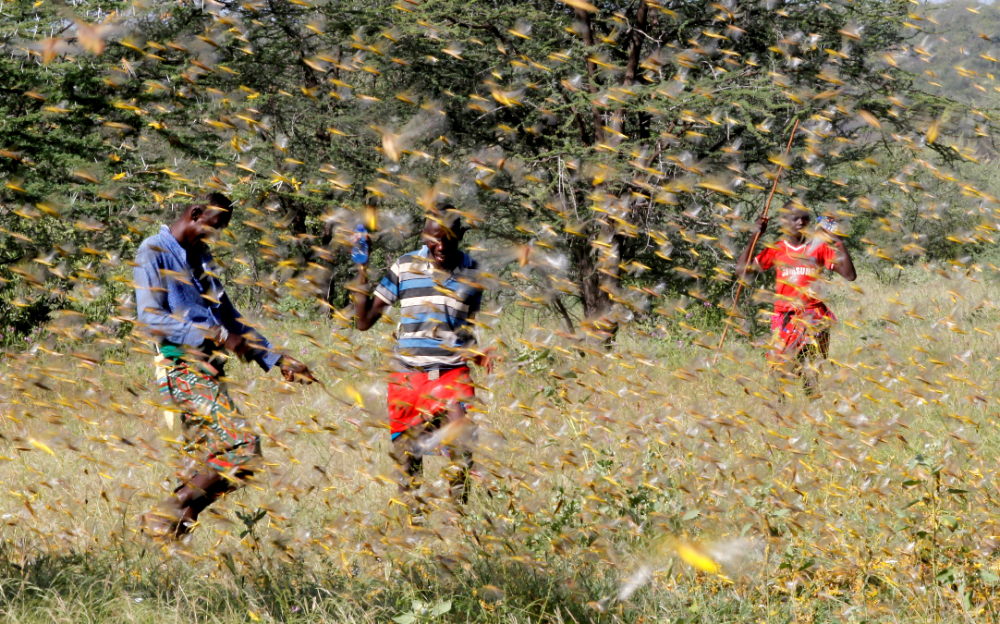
[439, 609]
[422, 612]
[614, 133]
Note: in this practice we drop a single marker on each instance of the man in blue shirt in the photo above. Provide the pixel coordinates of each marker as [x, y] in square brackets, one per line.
[438, 290]
[183, 307]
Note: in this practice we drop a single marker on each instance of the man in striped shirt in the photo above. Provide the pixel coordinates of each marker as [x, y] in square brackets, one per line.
[438, 294]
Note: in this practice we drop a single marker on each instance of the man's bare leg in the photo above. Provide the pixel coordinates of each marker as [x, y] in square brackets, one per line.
[407, 456]
[409, 467]
[460, 458]
[784, 374]
[807, 362]
[175, 515]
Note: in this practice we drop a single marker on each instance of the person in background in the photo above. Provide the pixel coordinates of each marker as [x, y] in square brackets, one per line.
[183, 307]
[438, 294]
[801, 321]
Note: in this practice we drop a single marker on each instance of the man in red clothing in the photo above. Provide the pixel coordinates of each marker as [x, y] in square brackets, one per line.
[801, 321]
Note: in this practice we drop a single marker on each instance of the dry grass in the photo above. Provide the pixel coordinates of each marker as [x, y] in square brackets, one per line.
[875, 503]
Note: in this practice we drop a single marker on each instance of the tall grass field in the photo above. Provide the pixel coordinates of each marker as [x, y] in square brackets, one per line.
[657, 481]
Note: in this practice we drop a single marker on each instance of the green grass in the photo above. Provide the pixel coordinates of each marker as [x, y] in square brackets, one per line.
[876, 503]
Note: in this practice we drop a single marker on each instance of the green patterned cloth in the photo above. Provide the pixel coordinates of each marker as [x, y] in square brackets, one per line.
[215, 433]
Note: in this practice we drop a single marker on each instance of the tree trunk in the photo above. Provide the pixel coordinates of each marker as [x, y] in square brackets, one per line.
[635, 45]
[595, 287]
[632, 67]
[598, 259]
[294, 218]
[599, 262]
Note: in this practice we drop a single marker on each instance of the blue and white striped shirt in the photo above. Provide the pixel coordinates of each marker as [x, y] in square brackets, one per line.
[435, 308]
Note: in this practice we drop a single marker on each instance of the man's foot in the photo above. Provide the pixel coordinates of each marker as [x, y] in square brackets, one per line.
[812, 391]
[156, 524]
[166, 520]
[416, 520]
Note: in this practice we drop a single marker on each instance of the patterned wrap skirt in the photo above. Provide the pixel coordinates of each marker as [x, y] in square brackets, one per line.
[216, 436]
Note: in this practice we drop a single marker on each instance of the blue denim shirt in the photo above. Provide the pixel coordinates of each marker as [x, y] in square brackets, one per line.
[176, 308]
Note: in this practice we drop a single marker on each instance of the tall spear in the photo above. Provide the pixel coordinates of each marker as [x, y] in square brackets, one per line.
[756, 237]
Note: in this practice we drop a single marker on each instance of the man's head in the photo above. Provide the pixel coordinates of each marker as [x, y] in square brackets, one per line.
[796, 218]
[201, 221]
[443, 232]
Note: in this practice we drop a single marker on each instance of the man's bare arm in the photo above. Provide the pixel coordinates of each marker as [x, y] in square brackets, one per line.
[844, 264]
[367, 309]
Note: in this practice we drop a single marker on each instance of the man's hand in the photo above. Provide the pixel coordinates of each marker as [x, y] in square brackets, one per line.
[294, 370]
[237, 345]
[761, 226]
[361, 286]
[356, 238]
[486, 359]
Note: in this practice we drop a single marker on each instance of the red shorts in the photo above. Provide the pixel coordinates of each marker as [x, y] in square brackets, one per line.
[414, 398]
[797, 332]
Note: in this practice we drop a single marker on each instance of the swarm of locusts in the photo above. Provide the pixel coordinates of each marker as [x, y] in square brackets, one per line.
[667, 303]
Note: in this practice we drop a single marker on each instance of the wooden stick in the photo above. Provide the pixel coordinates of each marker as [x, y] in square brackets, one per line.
[756, 237]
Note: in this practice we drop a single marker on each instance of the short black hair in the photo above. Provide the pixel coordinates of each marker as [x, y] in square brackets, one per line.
[793, 205]
[212, 202]
[449, 219]
[218, 200]
[454, 222]
[447, 215]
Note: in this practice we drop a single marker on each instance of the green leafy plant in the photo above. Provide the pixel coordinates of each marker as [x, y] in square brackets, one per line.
[423, 612]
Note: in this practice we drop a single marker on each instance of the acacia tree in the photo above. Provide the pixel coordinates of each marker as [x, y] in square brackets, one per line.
[651, 129]
[67, 216]
[619, 148]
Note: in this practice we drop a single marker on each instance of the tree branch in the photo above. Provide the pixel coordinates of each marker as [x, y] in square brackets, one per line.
[561, 308]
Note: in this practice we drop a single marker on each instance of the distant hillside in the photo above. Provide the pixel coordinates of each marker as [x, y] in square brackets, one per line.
[958, 51]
